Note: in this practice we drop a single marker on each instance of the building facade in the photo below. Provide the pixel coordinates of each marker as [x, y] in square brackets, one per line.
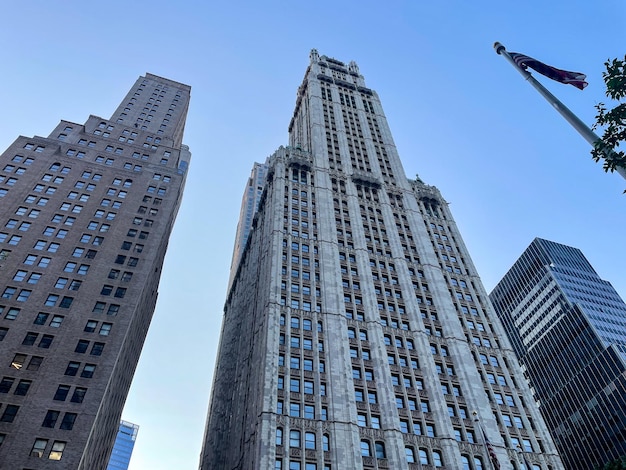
[85, 219]
[123, 447]
[356, 333]
[249, 206]
[568, 328]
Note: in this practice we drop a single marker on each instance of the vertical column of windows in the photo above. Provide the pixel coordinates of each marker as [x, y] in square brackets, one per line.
[330, 126]
[356, 142]
[302, 358]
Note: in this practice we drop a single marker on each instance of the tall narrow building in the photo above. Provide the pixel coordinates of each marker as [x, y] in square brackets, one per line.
[356, 333]
[85, 218]
[568, 328]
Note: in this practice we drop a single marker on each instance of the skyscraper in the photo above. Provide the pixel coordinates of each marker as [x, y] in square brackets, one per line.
[85, 218]
[568, 328]
[356, 332]
[123, 447]
[249, 205]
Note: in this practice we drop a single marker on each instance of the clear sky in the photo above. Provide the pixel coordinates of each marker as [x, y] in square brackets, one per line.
[461, 116]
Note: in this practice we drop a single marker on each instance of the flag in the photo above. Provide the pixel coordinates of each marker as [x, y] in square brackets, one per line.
[572, 78]
[491, 451]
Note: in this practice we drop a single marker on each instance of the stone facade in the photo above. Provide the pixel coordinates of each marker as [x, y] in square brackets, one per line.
[356, 333]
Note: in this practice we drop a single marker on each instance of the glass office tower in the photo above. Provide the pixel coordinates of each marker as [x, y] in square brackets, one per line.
[568, 328]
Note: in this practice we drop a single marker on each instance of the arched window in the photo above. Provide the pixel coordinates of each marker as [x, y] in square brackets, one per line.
[295, 322]
[437, 458]
[466, 463]
[325, 443]
[380, 450]
[309, 440]
[424, 456]
[279, 436]
[366, 450]
[478, 463]
[320, 327]
[410, 454]
[294, 439]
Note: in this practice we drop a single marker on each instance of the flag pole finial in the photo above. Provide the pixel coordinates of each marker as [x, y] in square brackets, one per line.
[498, 47]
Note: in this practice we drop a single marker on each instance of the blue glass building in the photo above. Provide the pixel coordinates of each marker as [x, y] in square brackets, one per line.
[568, 328]
[123, 448]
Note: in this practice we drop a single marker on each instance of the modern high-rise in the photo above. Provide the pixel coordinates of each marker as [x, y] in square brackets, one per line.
[123, 447]
[356, 333]
[85, 218]
[568, 328]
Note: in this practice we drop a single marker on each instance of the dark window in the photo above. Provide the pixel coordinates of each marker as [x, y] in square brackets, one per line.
[46, 341]
[22, 387]
[61, 393]
[68, 421]
[96, 349]
[29, 339]
[34, 363]
[51, 419]
[82, 346]
[9, 413]
[72, 368]
[79, 395]
[6, 384]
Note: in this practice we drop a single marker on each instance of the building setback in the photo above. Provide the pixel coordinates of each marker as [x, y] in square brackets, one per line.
[123, 447]
[356, 333]
[568, 328]
[86, 217]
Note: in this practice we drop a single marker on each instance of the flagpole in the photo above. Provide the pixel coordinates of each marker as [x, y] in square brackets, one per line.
[569, 116]
[482, 438]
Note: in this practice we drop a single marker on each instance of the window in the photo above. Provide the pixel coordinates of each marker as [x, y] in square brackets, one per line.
[366, 450]
[12, 313]
[105, 329]
[72, 368]
[82, 346]
[68, 421]
[57, 450]
[6, 384]
[79, 395]
[61, 393]
[39, 447]
[34, 363]
[380, 450]
[51, 419]
[309, 440]
[88, 371]
[45, 342]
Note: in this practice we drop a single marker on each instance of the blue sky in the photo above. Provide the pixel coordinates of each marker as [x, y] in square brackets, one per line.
[461, 116]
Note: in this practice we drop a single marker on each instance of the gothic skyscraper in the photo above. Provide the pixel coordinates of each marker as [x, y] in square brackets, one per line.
[356, 332]
[85, 218]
